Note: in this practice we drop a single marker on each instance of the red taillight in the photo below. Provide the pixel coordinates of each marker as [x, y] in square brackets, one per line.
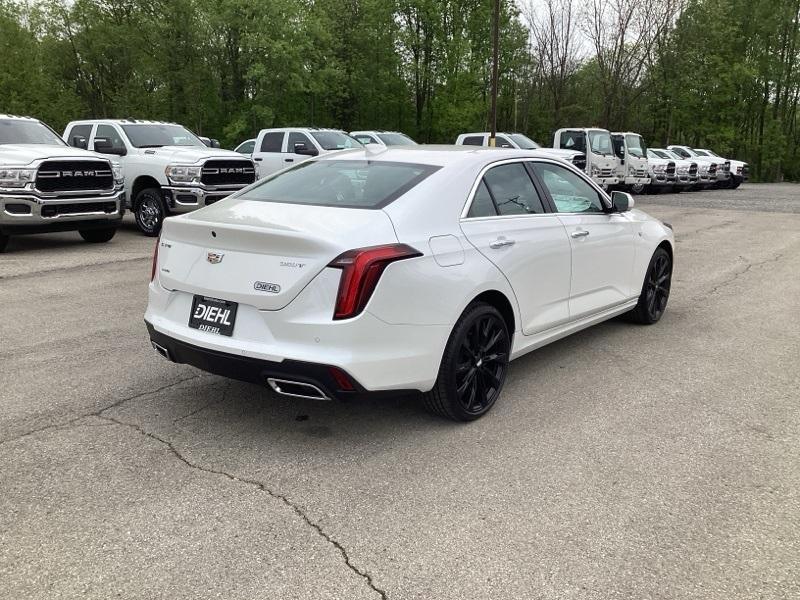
[361, 270]
[342, 380]
[155, 260]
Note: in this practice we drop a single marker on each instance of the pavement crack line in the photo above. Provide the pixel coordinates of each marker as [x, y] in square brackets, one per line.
[220, 400]
[260, 486]
[741, 272]
[97, 413]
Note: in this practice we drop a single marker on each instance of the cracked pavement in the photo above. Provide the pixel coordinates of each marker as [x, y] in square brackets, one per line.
[624, 461]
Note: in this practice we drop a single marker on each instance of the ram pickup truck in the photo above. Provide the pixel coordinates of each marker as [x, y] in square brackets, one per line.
[719, 169]
[167, 168]
[521, 142]
[633, 170]
[47, 186]
[662, 172]
[596, 144]
[740, 170]
[276, 149]
[686, 171]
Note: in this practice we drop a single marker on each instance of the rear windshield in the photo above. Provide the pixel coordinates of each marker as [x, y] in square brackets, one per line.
[341, 183]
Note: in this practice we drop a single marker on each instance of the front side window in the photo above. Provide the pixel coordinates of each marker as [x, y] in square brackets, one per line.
[701, 153]
[600, 142]
[365, 139]
[335, 140]
[569, 191]
[295, 137]
[272, 141]
[79, 136]
[512, 190]
[112, 135]
[246, 147]
[660, 154]
[501, 142]
[681, 152]
[524, 142]
[473, 140]
[619, 145]
[153, 135]
[22, 131]
[396, 139]
[573, 140]
[341, 183]
[636, 146]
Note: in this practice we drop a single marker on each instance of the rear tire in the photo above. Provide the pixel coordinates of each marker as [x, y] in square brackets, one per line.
[150, 211]
[638, 188]
[98, 236]
[3, 242]
[474, 365]
[655, 289]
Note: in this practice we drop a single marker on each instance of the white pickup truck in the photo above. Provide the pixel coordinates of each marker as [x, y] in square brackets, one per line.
[633, 169]
[601, 162]
[47, 186]
[521, 142]
[167, 168]
[276, 149]
[739, 170]
[719, 169]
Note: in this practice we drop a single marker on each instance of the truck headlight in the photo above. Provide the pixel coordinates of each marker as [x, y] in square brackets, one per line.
[12, 177]
[659, 168]
[595, 171]
[183, 173]
[116, 169]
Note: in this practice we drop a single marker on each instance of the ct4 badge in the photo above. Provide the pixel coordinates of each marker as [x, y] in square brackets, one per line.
[215, 257]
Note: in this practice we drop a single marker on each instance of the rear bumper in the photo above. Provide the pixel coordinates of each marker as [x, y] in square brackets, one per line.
[25, 213]
[259, 371]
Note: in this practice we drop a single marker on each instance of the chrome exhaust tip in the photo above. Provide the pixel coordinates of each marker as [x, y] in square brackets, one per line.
[296, 389]
[161, 350]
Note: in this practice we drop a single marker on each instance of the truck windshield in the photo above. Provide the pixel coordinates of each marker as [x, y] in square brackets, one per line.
[396, 139]
[660, 154]
[524, 142]
[340, 183]
[335, 140]
[683, 152]
[636, 145]
[153, 135]
[23, 131]
[600, 142]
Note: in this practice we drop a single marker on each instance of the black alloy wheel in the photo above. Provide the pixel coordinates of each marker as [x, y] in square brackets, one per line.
[474, 365]
[655, 291]
[149, 211]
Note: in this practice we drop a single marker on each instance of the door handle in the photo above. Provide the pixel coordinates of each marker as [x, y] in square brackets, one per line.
[288, 160]
[258, 159]
[501, 243]
[579, 234]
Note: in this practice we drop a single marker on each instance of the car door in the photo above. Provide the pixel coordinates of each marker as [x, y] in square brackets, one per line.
[602, 242]
[508, 223]
[268, 153]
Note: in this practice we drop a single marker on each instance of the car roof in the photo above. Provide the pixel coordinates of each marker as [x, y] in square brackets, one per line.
[17, 117]
[312, 129]
[437, 155]
[123, 122]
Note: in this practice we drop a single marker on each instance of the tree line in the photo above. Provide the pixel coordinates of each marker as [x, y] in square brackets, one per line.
[708, 73]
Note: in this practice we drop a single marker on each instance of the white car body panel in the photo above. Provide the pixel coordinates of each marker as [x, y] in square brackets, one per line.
[554, 284]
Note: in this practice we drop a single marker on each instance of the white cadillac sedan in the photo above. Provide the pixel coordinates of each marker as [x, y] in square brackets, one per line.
[414, 269]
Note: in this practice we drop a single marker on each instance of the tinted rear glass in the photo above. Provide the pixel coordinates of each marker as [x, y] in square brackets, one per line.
[342, 183]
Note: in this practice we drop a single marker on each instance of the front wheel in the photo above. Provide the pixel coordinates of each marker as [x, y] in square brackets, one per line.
[655, 290]
[638, 188]
[474, 365]
[149, 211]
[98, 236]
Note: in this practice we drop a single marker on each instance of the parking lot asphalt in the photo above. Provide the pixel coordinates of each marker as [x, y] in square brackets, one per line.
[622, 462]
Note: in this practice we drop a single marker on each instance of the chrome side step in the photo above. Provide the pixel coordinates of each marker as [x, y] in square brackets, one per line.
[296, 389]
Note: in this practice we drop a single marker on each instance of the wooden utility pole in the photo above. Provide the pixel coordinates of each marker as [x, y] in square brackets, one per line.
[495, 60]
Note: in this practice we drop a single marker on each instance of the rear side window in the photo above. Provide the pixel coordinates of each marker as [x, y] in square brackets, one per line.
[366, 139]
[473, 140]
[512, 190]
[272, 142]
[341, 183]
[482, 204]
[79, 136]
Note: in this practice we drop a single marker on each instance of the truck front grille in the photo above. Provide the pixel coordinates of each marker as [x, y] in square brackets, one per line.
[228, 172]
[671, 168]
[74, 176]
[606, 172]
[693, 169]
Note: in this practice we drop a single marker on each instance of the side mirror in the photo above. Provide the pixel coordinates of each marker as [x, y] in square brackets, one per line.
[80, 141]
[621, 201]
[215, 143]
[303, 150]
[103, 146]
